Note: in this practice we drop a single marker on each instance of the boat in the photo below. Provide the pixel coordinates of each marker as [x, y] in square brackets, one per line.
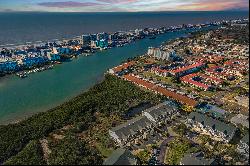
[23, 76]
[57, 62]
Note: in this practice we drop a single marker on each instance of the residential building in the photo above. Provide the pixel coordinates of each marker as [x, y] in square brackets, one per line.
[212, 110]
[103, 36]
[213, 127]
[182, 71]
[123, 67]
[243, 146]
[240, 119]
[242, 100]
[33, 61]
[196, 81]
[158, 89]
[93, 37]
[221, 72]
[121, 157]
[161, 55]
[197, 159]
[160, 113]
[64, 50]
[140, 127]
[129, 131]
[8, 66]
[103, 43]
[85, 40]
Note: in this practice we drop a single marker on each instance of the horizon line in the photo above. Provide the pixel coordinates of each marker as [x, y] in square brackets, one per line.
[124, 11]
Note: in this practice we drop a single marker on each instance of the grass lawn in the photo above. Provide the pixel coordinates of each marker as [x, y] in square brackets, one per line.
[207, 93]
[167, 80]
[176, 151]
[106, 152]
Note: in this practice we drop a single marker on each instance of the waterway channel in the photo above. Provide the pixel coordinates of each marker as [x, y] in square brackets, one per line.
[20, 98]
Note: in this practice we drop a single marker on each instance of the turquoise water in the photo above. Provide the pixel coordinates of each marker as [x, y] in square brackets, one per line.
[20, 98]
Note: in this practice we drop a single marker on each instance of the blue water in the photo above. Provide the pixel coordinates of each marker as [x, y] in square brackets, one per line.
[18, 28]
[20, 98]
[40, 91]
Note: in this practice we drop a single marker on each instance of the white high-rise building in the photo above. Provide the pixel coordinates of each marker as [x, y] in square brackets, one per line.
[158, 54]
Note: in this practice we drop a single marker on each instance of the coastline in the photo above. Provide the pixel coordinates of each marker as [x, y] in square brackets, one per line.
[90, 67]
[79, 25]
[16, 120]
[30, 113]
[108, 114]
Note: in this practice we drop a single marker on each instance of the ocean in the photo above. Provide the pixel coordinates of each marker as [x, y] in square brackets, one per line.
[19, 28]
[21, 98]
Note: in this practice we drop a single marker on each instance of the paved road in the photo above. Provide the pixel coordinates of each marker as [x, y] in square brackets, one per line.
[163, 149]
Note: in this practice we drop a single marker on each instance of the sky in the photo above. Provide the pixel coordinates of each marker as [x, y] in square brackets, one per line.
[122, 5]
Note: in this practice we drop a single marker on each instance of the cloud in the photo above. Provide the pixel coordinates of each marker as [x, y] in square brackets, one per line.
[68, 4]
[118, 1]
[123, 5]
[208, 5]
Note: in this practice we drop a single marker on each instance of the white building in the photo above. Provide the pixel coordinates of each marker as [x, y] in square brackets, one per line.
[161, 55]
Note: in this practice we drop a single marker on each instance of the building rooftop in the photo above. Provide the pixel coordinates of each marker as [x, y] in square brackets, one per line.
[240, 119]
[242, 100]
[245, 139]
[214, 110]
[123, 66]
[227, 129]
[187, 67]
[211, 78]
[131, 126]
[121, 157]
[189, 79]
[168, 93]
[196, 159]
[161, 109]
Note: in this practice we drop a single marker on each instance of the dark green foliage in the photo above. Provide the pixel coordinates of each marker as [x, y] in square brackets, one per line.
[181, 129]
[111, 96]
[177, 149]
[31, 155]
[71, 151]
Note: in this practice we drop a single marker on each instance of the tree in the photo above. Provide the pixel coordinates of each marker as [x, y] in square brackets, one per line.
[187, 108]
[71, 151]
[32, 154]
[143, 156]
[181, 129]
[112, 96]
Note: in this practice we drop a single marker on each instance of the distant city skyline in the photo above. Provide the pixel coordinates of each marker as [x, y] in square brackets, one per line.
[122, 5]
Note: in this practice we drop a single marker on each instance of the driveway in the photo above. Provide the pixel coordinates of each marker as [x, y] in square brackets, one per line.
[163, 148]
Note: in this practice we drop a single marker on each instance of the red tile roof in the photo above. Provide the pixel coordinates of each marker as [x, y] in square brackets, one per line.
[212, 71]
[160, 70]
[187, 67]
[211, 78]
[189, 79]
[123, 66]
[151, 86]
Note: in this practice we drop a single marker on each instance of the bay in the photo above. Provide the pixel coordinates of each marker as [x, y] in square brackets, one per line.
[20, 98]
